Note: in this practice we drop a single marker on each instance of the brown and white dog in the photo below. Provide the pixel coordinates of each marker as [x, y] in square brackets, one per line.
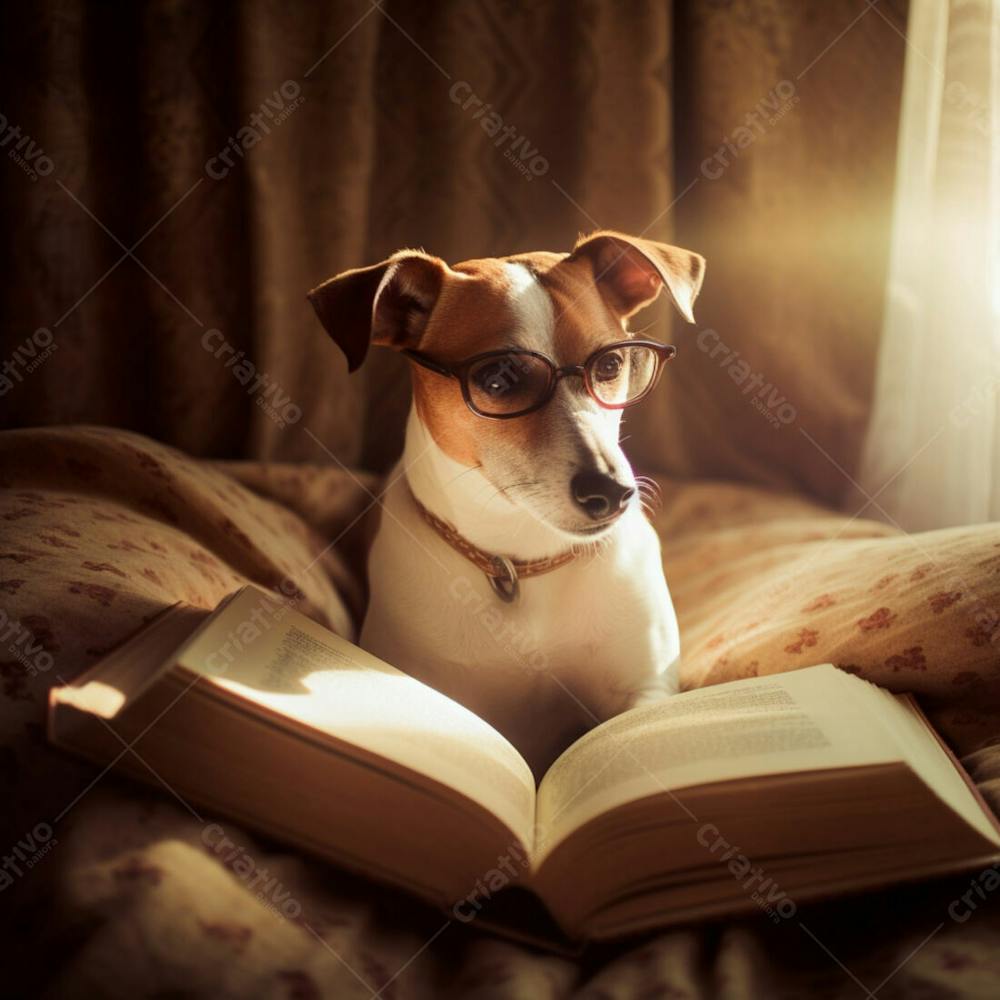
[594, 632]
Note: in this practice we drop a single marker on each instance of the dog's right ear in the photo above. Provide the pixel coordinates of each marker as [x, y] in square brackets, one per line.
[387, 304]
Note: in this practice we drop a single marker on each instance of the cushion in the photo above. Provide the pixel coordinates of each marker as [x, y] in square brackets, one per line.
[766, 582]
[102, 530]
[128, 894]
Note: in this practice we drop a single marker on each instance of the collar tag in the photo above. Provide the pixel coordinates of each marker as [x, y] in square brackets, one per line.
[504, 580]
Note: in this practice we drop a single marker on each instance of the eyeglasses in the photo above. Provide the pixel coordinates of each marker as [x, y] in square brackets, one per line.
[505, 384]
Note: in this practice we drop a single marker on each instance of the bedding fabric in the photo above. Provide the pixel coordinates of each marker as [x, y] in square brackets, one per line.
[115, 890]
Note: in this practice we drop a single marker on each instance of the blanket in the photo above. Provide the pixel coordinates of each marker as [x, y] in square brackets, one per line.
[112, 889]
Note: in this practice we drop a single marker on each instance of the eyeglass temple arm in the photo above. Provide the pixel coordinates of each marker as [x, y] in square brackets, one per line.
[426, 362]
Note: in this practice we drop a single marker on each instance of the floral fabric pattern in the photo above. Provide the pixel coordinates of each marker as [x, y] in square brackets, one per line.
[765, 583]
[131, 892]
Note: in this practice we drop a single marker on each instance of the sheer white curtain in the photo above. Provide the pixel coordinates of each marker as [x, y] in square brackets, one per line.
[934, 436]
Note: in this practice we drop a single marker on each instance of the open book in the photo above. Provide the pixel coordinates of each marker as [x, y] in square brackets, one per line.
[757, 793]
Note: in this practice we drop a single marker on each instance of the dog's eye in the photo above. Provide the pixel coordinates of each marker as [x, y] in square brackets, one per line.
[495, 379]
[508, 384]
[609, 366]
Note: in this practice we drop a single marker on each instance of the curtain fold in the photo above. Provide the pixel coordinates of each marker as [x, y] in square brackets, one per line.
[932, 458]
[256, 148]
[280, 144]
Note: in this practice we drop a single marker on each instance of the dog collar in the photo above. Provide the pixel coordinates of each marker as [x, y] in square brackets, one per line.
[503, 573]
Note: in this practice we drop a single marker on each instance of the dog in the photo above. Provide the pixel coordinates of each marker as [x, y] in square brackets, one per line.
[513, 568]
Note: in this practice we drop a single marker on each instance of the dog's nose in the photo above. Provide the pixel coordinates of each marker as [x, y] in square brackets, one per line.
[600, 495]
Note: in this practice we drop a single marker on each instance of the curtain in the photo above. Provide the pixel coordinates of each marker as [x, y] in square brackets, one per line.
[933, 453]
[188, 171]
[279, 144]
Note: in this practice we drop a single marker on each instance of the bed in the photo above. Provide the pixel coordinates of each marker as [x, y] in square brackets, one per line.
[112, 889]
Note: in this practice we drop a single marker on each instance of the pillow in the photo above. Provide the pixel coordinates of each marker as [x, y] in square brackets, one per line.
[765, 583]
[102, 530]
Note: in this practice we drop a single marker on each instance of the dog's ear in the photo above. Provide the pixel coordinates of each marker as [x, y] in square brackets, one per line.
[630, 272]
[387, 304]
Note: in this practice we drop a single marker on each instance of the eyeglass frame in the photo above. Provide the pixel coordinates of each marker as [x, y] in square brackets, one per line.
[460, 370]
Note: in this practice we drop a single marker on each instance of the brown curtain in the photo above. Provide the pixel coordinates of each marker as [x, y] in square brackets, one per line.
[257, 148]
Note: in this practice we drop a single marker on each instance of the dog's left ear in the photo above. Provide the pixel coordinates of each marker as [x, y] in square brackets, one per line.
[387, 304]
[630, 272]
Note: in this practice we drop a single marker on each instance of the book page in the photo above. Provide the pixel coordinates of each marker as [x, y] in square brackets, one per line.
[805, 720]
[934, 764]
[265, 653]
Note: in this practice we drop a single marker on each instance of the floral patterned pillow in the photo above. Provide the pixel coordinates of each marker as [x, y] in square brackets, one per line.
[765, 583]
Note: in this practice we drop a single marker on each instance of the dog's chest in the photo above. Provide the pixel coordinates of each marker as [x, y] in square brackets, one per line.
[600, 626]
[583, 642]
[558, 623]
